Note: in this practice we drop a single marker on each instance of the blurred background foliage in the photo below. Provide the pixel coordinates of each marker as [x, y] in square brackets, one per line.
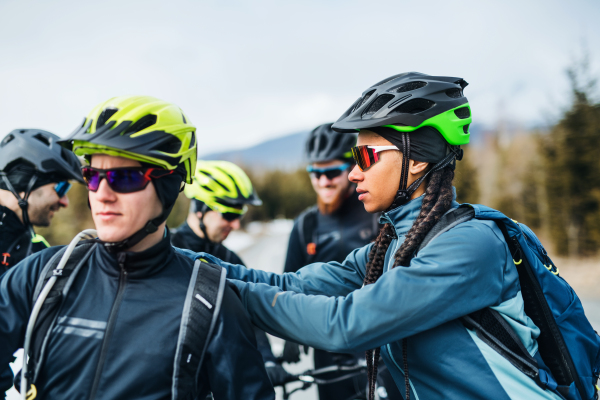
[548, 179]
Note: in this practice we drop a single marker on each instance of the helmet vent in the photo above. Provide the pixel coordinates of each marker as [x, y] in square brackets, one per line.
[466, 128]
[414, 106]
[184, 120]
[207, 188]
[454, 93]
[43, 139]
[105, 116]
[462, 112]
[193, 140]
[145, 122]
[363, 100]
[379, 102]
[7, 140]
[407, 87]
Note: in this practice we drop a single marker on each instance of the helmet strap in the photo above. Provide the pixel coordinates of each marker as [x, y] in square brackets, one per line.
[202, 225]
[150, 227]
[404, 194]
[23, 203]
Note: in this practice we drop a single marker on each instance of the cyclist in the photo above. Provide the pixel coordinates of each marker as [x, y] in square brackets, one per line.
[34, 180]
[116, 332]
[329, 231]
[220, 195]
[384, 297]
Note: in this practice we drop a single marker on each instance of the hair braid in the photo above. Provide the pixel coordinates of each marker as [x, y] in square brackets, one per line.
[437, 200]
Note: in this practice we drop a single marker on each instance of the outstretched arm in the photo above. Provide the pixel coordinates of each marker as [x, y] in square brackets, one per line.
[331, 279]
[439, 286]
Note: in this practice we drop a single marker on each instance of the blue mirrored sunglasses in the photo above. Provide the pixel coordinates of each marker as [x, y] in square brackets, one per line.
[329, 172]
[62, 188]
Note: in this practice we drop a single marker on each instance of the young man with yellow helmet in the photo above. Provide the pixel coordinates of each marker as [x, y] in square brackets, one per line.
[128, 304]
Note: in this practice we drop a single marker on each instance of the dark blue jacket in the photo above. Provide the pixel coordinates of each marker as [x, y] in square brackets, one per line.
[118, 327]
[463, 270]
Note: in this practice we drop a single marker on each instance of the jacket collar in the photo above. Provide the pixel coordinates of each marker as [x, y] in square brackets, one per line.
[10, 223]
[404, 216]
[137, 264]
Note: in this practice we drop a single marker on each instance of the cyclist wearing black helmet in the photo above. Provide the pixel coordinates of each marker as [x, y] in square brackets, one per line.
[34, 180]
[416, 295]
[329, 231]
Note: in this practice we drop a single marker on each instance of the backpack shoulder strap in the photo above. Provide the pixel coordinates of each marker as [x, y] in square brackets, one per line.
[200, 312]
[448, 221]
[307, 224]
[49, 311]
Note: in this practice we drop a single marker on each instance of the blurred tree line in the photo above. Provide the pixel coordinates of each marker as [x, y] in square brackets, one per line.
[550, 180]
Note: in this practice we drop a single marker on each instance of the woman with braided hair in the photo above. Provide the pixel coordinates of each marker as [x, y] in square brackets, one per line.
[397, 298]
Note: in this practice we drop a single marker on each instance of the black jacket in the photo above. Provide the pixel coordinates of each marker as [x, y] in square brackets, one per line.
[15, 240]
[185, 238]
[335, 235]
[118, 327]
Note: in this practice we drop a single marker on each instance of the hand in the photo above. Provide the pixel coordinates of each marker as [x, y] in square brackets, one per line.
[291, 352]
[277, 374]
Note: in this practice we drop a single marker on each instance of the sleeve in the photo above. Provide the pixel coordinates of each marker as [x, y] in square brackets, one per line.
[331, 279]
[233, 367]
[295, 257]
[16, 292]
[439, 286]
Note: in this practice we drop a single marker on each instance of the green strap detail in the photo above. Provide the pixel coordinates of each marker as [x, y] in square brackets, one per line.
[40, 239]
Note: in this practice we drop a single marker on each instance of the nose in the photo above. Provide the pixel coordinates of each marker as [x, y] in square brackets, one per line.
[356, 175]
[104, 193]
[235, 224]
[64, 201]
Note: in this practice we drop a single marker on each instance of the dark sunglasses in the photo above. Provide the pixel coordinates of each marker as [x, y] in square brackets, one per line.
[61, 188]
[366, 156]
[122, 180]
[230, 217]
[330, 172]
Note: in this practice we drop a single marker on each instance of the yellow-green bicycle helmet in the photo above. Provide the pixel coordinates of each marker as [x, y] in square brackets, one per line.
[223, 187]
[141, 128]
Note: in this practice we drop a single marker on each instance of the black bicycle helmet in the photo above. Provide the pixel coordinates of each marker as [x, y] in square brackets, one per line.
[325, 144]
[35, 156]
[40, 149]
[407, 99]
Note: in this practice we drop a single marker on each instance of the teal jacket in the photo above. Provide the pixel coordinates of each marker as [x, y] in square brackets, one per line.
[463, 270]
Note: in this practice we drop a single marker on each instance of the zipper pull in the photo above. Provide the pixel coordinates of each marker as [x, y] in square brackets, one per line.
[121, 258]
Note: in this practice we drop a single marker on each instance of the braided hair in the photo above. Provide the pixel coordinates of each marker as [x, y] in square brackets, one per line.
[436, 202]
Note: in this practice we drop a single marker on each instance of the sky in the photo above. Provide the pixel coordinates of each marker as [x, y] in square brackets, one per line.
[247, 71]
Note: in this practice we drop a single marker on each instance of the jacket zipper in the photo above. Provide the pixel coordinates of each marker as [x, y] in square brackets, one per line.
[110, 324]
[389, 348]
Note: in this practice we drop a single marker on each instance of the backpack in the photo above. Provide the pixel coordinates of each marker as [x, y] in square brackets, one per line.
[200, 311]
[568, 345]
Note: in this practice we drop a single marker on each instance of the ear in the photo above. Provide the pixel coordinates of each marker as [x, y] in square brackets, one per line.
[417, 167]
[199, 215]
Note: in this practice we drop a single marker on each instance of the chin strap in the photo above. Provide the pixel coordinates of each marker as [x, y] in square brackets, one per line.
[404, 193]
[150, 227]
[22, 200]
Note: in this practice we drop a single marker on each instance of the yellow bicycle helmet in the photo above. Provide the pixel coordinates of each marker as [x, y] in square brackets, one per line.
[141, 128]
[223, 187]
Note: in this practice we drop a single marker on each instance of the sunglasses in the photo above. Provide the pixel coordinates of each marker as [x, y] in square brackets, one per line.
[122, 180]
[366, 156]
[61, 188]
[230, 217]
[329, 172]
